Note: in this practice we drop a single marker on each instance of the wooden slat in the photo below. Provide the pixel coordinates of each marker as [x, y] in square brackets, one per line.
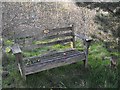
[20, 41]
[45, 57]
[54, 59]
[61, 29]
[49, 54]
[29, 47]
[23, 39]
[45, 32]
[22, 36]
[54, 63]
[60, 55]
[59, 35]
[55, 31]
[29, 41]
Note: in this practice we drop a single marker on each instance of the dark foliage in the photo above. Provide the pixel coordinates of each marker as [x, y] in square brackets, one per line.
[108, 23]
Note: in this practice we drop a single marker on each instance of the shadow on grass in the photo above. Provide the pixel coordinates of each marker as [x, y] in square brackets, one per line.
[66, 76]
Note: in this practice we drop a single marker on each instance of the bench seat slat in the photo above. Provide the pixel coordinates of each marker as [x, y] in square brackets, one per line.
[51, 56]
[48, 54]
[54, 63]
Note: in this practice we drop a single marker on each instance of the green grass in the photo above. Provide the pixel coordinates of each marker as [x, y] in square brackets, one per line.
[99, 74]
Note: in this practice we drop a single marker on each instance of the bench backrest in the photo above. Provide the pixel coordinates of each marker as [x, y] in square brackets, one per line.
[46, 37]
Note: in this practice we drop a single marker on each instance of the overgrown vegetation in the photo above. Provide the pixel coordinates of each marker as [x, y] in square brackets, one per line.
[108, 21]
[99, 74]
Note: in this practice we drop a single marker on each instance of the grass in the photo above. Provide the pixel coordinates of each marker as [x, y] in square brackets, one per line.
[98, 75]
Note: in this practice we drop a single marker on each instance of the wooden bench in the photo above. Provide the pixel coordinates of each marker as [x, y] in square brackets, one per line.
[53, 59]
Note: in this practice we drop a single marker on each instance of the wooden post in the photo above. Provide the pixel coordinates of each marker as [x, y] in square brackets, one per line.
[71, 44]
[86, 61]
[73, 35]
[113, 61]
[86, 54]
[20, 65]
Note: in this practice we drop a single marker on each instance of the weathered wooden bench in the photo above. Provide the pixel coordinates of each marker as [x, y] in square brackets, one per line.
[53, 59]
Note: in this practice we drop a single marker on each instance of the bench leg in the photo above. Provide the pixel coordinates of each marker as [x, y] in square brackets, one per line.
[86, 54]
[20, 65]
[86, 59]
[22, 72]
[85, 63]
[113, 64]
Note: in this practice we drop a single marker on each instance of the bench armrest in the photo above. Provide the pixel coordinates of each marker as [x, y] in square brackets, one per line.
[83, 37]
[87, 42]
[18, 55]
[16, 49]
[86, 39]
